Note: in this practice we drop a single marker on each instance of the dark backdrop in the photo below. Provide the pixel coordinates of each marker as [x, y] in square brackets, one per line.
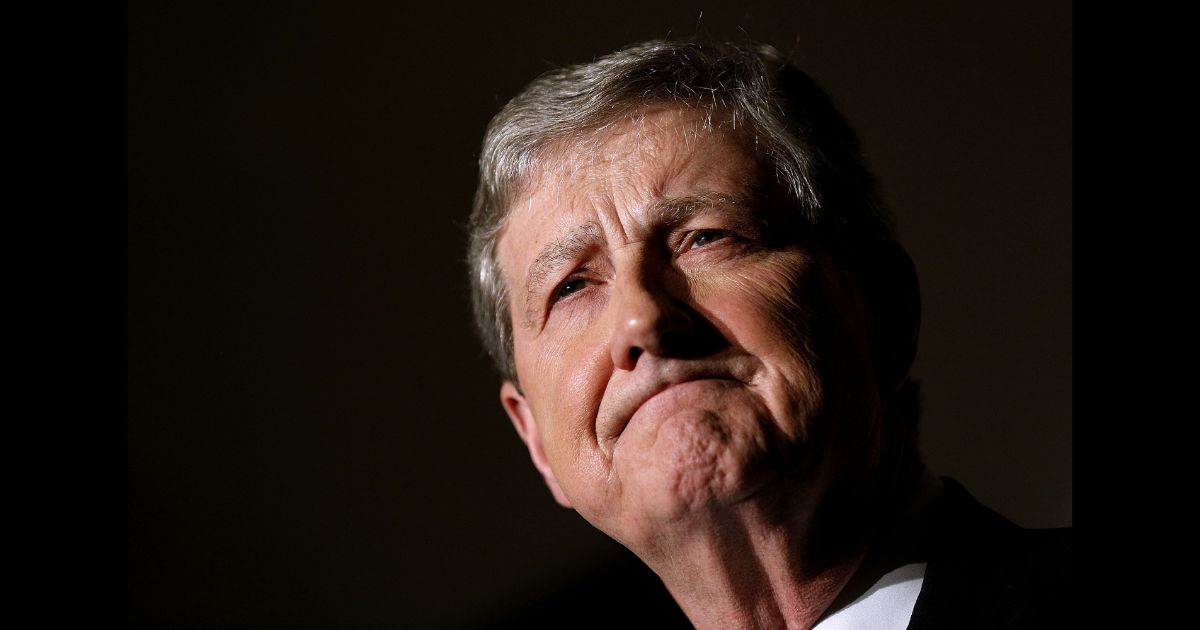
[314, 436]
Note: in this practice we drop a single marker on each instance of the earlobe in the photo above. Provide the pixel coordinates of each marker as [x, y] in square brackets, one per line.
[522, 418]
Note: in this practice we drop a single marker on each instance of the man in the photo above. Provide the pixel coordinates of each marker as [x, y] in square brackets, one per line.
[705, 330]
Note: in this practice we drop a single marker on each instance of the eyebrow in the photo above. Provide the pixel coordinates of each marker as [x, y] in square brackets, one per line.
[565, 249]
[676, 210]
[571, 245]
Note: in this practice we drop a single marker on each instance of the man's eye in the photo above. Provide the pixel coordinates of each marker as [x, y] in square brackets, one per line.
[569, 287]
[707, 237]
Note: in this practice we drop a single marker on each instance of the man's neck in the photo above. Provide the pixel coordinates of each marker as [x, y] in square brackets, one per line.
[752, 579]
[753, 569]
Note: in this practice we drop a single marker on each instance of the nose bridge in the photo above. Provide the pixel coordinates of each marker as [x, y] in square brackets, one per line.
[646, 311]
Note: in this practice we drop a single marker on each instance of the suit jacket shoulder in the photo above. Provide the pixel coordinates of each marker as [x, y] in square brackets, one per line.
[985, 572]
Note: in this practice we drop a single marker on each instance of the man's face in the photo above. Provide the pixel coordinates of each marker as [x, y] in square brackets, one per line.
[680, 345]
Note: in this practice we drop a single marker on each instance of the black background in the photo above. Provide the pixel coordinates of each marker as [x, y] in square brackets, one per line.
[314, 435]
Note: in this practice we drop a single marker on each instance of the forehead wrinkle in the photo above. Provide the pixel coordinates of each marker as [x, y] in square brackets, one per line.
[563, 250]
[675, 211]
[638, 205]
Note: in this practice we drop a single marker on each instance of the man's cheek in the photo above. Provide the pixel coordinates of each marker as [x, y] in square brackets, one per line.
[777, 296]
[571, 383]
[757, 274]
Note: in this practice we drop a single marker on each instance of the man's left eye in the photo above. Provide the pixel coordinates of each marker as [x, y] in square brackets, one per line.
[705, 238]
[569, 288]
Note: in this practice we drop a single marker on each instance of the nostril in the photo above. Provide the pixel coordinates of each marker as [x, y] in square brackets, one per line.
[634, 353]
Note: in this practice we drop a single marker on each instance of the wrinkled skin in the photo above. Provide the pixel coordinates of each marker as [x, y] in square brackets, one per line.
[686, 356]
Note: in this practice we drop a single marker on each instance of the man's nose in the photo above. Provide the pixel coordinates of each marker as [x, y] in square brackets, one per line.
[649, 320]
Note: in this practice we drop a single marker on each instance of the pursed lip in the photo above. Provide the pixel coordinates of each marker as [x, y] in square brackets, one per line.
[620, 409]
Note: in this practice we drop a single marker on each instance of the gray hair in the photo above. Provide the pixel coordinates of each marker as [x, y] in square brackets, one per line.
[792, 123]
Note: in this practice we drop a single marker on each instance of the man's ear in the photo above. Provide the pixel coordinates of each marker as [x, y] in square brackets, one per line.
[893, 301]
[522, 418]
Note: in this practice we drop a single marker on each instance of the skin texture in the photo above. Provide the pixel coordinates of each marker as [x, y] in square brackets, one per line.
[696, 375]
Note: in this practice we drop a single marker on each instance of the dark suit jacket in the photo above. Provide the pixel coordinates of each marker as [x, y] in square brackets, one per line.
[983, 572]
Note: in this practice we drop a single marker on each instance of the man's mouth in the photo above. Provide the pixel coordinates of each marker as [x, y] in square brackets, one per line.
[617, 412]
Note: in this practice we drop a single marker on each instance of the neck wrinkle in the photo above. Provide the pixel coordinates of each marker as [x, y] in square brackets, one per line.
[766, 568]
[752, 571]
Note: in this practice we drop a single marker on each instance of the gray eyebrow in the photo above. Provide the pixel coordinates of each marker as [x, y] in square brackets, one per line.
[676, 210]
[562, 250]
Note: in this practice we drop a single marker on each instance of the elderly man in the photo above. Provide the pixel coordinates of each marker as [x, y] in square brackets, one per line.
[705, 330]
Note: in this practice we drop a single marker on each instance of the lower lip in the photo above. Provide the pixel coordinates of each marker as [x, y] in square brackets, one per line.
[668, 396]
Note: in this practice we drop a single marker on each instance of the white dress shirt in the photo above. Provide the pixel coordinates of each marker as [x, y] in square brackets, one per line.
[887, 605]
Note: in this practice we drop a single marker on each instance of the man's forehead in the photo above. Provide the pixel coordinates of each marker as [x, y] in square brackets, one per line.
[653, 136]
[625, 166]
[618, 181]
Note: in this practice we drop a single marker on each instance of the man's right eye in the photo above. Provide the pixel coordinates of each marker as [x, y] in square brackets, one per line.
[569, 287]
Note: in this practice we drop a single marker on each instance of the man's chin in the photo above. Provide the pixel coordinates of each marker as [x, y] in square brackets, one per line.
[694, 466]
